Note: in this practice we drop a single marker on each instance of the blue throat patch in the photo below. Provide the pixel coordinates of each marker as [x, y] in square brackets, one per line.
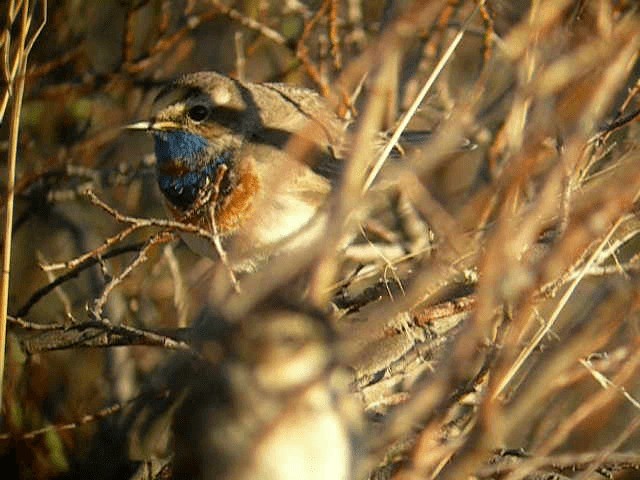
[188, 152]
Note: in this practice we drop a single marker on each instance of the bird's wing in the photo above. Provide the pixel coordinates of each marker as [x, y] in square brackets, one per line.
[300, 121]
[301, 110]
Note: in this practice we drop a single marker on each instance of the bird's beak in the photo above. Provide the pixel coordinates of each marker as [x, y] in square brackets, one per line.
[152, 126]
[138, 126]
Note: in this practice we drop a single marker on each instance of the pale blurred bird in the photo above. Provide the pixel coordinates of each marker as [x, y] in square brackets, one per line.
[252, 163]
[274, 408]
[264, 398]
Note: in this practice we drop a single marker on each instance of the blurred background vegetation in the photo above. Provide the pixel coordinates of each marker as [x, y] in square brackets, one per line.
[527, 243]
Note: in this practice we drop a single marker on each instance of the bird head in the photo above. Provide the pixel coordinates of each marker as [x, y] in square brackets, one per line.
[198, 121]
[199, 117]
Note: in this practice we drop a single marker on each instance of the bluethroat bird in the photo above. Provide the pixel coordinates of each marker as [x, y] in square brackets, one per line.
[223, 161]
[228, 159]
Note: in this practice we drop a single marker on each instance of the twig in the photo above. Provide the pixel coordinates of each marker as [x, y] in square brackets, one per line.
[241, 58]
[40, 70]
[402, 125]
[618, 123]
[524, 354]
[129, 27]
[619, 120]
[84, 420]
[249, 23]
[19, 322]
[489, 33]
[302, 52]
[100, 302]
[568, 461]
[334, 38]
[100, 333]
[180, 299]
[166, 43]
[215, 191]
[134, 225]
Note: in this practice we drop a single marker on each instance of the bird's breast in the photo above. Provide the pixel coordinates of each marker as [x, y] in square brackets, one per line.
[182, 186]
[179, 185]
[185, 165]
[180, 168]
[238, 200]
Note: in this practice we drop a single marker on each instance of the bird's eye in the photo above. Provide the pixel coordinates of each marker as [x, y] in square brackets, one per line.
[198, 113]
